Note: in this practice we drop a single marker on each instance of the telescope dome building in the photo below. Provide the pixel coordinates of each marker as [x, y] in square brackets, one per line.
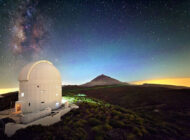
[40, 86]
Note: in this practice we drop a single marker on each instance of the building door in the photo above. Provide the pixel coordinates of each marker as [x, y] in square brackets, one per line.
[18, 108]
[42, 99]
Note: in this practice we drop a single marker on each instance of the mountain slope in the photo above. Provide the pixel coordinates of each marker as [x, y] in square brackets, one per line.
[102, 80]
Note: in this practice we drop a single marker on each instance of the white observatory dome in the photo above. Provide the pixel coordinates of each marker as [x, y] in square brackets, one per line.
[39, 87]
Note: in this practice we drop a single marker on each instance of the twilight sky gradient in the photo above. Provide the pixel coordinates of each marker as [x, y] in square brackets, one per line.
[128, 40]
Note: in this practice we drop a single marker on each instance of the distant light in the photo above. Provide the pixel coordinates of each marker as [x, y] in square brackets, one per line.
[22, 94]
[166, 81]
[56, 94]
[57, 104]
[15, 46]
[7, 90]
[74, 99]
[81, 95]
[63, 100]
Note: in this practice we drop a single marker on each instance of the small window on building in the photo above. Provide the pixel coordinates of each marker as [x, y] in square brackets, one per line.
[22, 94]
[28, 104]
[56, 94]
[38, 86]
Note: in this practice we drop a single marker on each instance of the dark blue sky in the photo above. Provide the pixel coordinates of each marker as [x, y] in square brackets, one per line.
[128, 40]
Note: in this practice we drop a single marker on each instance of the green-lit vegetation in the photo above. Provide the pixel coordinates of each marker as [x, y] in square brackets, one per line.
[77, 99]
[71, 98]
[81, 95]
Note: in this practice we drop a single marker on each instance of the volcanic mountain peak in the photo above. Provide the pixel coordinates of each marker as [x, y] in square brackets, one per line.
[103, 80]
[103, 77]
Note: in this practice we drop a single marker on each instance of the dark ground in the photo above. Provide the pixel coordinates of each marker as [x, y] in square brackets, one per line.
[136, 112]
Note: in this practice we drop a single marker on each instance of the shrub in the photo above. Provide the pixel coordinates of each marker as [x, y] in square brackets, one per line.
[117, 123]
[81, 133]
[98, 130]
[107, 127]
[139, 121]
[116, 134]
[102, 117]
[99, 137]
[143, 130]
[80, 123]
[70, 122]
[131, 136]
[130, 117]
[137, 131]
[94, 121]
[114, 112]
[75, 112]
[107, 120]
[77, 116]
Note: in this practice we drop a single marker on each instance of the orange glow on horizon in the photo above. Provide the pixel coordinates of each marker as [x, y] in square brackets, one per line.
[7, 90]
[166, 81]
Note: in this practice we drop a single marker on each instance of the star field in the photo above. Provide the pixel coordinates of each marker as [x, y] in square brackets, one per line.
[129, 40]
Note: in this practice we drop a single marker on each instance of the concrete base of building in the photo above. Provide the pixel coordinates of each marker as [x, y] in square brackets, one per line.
[53, 117]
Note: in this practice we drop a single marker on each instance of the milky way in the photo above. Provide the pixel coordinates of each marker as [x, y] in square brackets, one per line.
[126, 39]
[29, 32]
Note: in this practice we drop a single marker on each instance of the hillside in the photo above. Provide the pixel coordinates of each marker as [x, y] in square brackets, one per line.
[102, 80]
[118, 112]
[98, 121]
[163, 105]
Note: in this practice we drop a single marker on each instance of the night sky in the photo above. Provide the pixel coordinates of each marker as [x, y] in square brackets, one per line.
[128, 40]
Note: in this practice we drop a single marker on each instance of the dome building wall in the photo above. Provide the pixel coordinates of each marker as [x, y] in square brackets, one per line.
[39, 87]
